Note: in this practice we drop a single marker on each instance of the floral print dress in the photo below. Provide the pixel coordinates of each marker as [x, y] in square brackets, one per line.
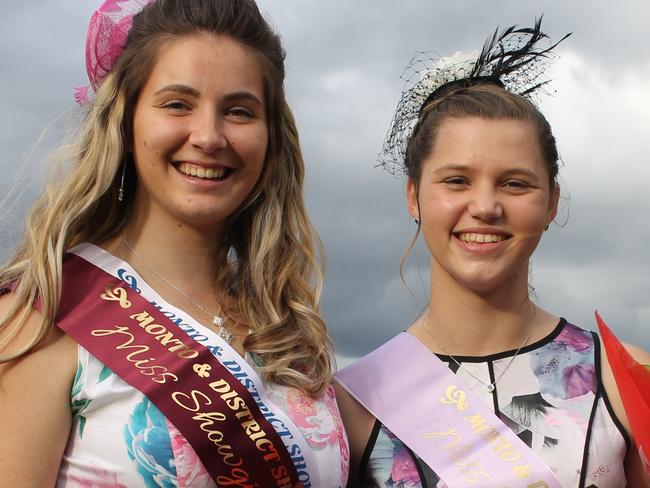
[119, 439]
[551, 396]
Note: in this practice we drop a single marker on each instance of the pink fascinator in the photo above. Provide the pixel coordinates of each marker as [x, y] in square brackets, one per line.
[107, 32]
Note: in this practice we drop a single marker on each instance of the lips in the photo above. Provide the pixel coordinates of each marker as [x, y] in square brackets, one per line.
[203, 172]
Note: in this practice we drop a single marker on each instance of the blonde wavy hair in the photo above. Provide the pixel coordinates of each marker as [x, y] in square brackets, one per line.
[270, 258]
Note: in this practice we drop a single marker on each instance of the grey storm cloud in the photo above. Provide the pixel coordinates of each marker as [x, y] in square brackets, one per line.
[344, 59]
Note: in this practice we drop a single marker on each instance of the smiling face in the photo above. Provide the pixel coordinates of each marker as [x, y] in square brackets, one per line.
[484, 200]
[200, 133]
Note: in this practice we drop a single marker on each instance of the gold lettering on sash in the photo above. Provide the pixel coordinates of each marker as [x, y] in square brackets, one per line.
[229, 395]
[272, 453]
[510, 456]
[453, 433]
[116, 294]
[523, 471]
[280, 474]
[220, 386]
[472, 471]
[154, 329]
[143, 318]
[161, 380]
[454, 396]
[238, 477]
[476, 421]
[196, 400]
[202, 370]
[140, 356]
[193, 395]
[253, 430]
[193, 403]
[500, 444]
[144, 365]
[211, 416]
[460, 452]
[164, 336]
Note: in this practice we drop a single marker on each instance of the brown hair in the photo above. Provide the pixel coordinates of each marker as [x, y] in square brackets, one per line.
[485, 100]
[269, 257]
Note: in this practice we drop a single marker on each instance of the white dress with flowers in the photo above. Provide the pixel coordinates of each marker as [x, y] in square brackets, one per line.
[119, 439]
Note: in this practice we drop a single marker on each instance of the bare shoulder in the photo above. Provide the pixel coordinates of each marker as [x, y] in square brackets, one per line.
[609, 381]
[358, 424]
[55, 345]
[34, 401]
[637, 353]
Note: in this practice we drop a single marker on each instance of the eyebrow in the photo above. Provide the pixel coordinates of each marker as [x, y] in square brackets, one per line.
[188, 90]
[463, 167]
[184, 89]
[452, 166]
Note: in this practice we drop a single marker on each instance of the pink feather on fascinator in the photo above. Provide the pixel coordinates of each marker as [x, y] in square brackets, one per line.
[81, 94]
[107, 33]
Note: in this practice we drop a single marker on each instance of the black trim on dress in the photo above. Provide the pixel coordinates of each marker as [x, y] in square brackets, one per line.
[500, 355]
[370, 445]
[601, 388]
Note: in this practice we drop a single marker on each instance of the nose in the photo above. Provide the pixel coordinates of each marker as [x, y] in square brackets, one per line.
[208, 132]
[485, 204]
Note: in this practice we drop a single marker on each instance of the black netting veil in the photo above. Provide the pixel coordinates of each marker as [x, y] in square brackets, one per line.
[514, 58]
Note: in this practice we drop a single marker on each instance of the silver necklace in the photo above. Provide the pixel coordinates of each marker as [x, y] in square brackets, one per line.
[217, 320]
[490, 387]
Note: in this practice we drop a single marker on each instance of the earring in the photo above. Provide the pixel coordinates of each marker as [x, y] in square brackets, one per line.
[120, 191]
[417, 221]
[546, 227]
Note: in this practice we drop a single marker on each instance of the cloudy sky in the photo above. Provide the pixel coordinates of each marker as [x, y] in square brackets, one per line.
[344, 62]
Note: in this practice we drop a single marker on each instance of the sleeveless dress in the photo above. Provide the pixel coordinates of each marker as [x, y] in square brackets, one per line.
[119, 439]
[551, 396]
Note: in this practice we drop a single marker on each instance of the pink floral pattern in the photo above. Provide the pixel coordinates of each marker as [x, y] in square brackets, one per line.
[320, 422]
[578, 379]
[189, 469]
[313, 419]
[96, 478]
[332, 407]
[404, 473]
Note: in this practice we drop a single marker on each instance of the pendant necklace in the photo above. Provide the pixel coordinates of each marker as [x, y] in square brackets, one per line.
[490, 387]
[217, 319]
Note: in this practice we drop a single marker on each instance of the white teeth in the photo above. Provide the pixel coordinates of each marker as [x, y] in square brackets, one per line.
[201, 172]
[481, 238]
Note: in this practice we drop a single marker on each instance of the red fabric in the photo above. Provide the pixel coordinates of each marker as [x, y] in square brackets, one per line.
[633, 382]
[206, 403]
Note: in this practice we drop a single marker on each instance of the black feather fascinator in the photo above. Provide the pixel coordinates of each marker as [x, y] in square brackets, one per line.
[514, 58]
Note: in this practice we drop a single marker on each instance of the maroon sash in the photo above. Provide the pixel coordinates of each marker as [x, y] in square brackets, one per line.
[211, 408]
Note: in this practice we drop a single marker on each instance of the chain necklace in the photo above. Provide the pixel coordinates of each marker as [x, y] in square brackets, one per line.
[490, 387]
[217, 319]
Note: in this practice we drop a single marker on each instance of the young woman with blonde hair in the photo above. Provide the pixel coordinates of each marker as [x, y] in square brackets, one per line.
[159, 324]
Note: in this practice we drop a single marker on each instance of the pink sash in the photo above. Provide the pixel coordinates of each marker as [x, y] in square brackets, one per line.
[406, 387]
[211, 408]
